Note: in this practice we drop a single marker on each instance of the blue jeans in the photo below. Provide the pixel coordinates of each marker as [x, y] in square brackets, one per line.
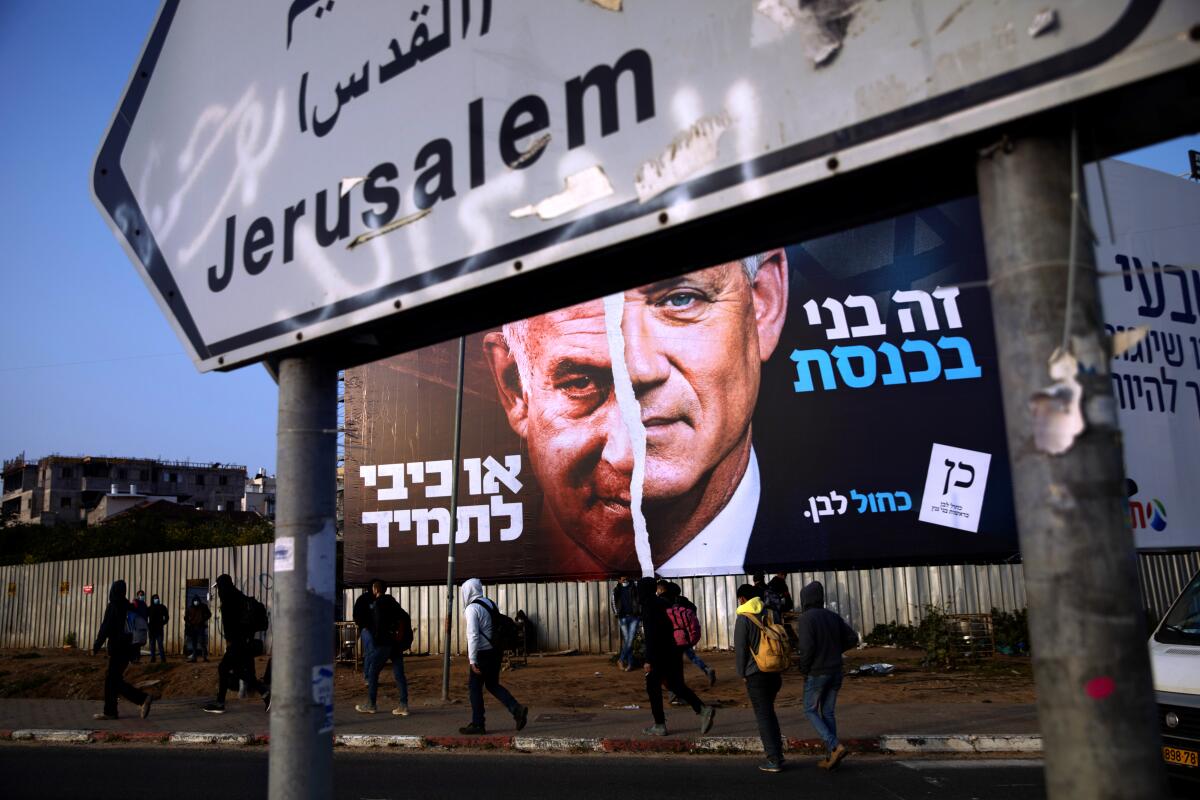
[488, 662]
[380, 654]
[367, 646]
[820, 698]
[629, 629]
[690, 652]
[157, 639]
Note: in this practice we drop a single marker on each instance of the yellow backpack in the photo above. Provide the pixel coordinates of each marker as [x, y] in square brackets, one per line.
[773, 653]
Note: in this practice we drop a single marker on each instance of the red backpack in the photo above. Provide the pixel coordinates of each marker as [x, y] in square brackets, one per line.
[686, 625]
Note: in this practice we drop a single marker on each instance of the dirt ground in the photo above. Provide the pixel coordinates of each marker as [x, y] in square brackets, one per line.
[568, 681]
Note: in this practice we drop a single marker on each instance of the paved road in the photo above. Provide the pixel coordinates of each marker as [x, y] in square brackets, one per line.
[39, 771]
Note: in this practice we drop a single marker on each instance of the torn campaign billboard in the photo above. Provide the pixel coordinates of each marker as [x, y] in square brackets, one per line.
[832, 403]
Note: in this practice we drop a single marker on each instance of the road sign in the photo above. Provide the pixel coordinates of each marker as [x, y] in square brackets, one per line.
[281, 172]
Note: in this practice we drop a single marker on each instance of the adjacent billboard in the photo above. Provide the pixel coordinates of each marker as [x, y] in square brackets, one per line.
[1148, 251]
[831, 403]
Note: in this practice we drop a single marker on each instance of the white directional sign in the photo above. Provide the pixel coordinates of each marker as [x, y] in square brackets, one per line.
[281, 171]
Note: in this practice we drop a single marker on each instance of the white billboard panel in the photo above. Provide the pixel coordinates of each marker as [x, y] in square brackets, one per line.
[283, 171]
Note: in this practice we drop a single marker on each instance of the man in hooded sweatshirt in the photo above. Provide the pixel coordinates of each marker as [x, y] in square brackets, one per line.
[238, 662]
[823, 637]
[484, 653]
[157, 625]
[762, 687]
[663, 666]
[113, 630]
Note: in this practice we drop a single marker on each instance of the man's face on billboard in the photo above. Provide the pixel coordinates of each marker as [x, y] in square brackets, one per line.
[694, 346]
[693, 350]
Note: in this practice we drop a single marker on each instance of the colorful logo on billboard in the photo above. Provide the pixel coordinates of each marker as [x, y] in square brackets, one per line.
[1150, 514]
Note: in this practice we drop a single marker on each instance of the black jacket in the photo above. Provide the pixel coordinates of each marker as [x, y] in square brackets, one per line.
[363, 613]
[158, 618]
[233, 615]
[625, 601]
[657, 630]
[112, 627]
[384, 619]
[823, 635]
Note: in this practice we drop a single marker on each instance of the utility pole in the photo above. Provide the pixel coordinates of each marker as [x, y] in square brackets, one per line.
[1090, 660]
[454, 470]
[301, 757]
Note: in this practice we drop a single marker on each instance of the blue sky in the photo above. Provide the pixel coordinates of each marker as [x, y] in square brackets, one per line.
[88, 364]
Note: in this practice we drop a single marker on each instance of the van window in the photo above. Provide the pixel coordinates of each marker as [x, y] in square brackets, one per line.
[1182, 623]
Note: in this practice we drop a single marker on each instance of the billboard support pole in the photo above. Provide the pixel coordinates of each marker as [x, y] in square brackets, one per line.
[301, 758]
[454, 470]
[1094, 691]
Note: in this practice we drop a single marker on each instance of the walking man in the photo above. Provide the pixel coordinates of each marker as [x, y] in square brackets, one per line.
[762, 687]
[391, 633]
[364, 608]
[157, 623]
[238, 662]
[823, 637]
[625, 606]
[195, 628]
[114, 632]
[663, 666]
[484, 653]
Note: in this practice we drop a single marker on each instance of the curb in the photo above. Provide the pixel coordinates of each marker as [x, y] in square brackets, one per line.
[959, 744]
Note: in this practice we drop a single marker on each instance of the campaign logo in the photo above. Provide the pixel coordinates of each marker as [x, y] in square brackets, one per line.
[836, 504]
[1150, 514]
[954, 487]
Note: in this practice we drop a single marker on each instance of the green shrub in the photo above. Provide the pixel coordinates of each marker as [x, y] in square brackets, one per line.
[1010, 631]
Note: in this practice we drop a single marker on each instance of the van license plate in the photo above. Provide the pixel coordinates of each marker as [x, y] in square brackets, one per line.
[1184, 758]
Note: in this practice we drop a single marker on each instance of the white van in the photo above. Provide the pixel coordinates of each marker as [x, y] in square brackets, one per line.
[1175, 659]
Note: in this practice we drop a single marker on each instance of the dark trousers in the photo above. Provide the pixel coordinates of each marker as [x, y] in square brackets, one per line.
[668, 671]
[115, 683]
[236, 665]
[762, 688]
[488, 662]
[156, 640]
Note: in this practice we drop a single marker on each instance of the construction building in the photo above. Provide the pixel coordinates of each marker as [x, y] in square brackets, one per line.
[89, 489]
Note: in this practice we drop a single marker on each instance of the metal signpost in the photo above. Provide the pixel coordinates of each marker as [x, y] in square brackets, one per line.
[295, 181]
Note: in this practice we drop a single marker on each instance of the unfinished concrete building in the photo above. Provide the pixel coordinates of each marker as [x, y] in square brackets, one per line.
[89, 489]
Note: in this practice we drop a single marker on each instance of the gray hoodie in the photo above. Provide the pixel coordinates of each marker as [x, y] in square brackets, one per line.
[478, 619]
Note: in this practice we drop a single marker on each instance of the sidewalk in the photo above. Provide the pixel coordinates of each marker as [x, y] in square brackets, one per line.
[917, 727]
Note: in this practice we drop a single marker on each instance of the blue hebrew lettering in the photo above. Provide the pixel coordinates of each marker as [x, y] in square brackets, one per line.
[887, 497]
[895, 373]
[843, 354]
[969, 368]
[933, 362]
[1126, 275]
[907, 501]
[1186, 316]
[861, 499]
[1151, 307]
[803, 358]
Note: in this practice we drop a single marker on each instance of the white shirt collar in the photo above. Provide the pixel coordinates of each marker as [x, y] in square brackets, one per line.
[721, 547]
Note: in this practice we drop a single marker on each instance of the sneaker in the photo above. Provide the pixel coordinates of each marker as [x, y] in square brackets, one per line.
[104, 716]
[657, 729]
[673, 700]
[771, 766]
[191, 659]
[521, 715]
[215, 708]
[472, 730]
[706, 719]
[712, 677]
[145, 712]
[365, 708]
[267, 700]
[401, 710]
[836, 756]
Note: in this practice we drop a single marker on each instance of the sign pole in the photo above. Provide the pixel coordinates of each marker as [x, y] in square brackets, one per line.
[301, 757]
[1090, 661]
[454, 470]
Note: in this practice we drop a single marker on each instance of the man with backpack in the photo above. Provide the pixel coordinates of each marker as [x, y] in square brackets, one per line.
[685, 620]
[114, 630]
[823, 637]
[241, 618]
[662, 665]
[625, 607]
[391, 634]
[761, 653]
[488, 634]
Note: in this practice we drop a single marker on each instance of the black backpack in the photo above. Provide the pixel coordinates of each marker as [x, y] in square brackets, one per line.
[255, 616]
[505, 635]
[404, 632]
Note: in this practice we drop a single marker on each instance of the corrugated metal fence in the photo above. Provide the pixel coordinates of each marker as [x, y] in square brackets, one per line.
[42, 603]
